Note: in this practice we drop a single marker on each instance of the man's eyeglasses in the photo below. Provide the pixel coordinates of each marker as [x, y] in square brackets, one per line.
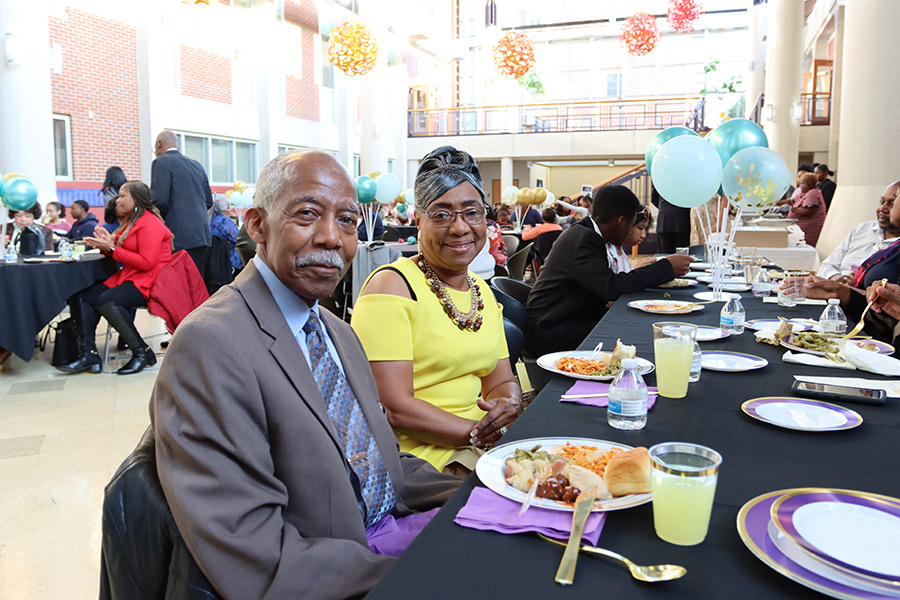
[443, 217]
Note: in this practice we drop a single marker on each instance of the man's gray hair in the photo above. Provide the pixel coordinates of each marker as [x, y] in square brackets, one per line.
[272, 180]
[442, 170]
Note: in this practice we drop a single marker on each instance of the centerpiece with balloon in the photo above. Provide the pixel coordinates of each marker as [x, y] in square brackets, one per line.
[16, 193]
[382, 189]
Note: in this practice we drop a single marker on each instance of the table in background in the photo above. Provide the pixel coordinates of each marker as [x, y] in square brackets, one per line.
[450, 561]
[32, 294]
[406, 231]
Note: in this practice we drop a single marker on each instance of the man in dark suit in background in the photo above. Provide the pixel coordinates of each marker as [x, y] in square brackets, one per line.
[181, 192]
[673, 224]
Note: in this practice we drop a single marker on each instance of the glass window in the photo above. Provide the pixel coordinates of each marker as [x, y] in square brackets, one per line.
[198, 149]
[614, 84]
[390, 168]
[222, 160]
[355, 165]
[327, 67]
[62, 146]
[245, 161]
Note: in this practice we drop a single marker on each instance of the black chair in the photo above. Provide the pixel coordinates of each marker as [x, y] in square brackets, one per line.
[515, 339]
[512, 287]
[517, 263]
[143, 555]
[513, 310]
[542, 245]
[391, 234]
[512, 244]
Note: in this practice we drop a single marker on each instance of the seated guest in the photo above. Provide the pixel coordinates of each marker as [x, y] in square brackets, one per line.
[863, 240]
[221, 225]
[111, 215]
[809, 209]
[549, 217]
[433, 331]
[618, 258]
[886, 303]
[503, 219]
[573, 213]
[377, 228]
[825, 185]
[576, 282]
[783, 206]
[278, 467]
[85, 221]
[143, 245]
[23, 220]
[53, 220]
[495, 243]
[532, 217]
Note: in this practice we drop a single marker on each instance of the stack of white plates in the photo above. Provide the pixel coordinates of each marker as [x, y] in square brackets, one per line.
[843, 543]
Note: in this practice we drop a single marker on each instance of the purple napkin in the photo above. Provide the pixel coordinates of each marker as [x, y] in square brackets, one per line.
[488, 511]
[599, 387]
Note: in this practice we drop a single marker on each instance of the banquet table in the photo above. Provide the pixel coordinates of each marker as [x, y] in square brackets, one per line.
[32, 294]
[451, 561]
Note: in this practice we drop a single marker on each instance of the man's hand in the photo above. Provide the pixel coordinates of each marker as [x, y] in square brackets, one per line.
[817, 287]
[842, 279]
[887, 298]
[681, 263]
[501, 412]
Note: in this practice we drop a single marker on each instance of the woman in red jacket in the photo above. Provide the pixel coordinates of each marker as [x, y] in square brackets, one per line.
[143, 245]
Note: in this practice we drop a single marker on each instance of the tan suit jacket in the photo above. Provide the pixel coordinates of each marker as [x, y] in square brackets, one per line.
[249, 461]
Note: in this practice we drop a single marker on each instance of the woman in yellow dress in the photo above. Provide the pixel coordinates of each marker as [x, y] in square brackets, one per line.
[433, 331]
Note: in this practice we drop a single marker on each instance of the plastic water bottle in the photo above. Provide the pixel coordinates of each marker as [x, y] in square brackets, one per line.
[833, 319]
[732, 317]
[11, 255]
[696, 367]
[65, 250]
[627, 398]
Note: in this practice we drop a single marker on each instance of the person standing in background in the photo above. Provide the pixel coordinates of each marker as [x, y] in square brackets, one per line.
[673, 224]
[115, 178]
[809, 209]
[825, 185]
[181, 193]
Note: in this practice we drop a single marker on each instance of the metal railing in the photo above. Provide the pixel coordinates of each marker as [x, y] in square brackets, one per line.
[756, 113]
[815, 108]
[591, 115]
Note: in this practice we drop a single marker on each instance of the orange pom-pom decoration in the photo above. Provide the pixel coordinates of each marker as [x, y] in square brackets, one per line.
[683, 13]
[639, 34]
[353, 49]
[514, 54]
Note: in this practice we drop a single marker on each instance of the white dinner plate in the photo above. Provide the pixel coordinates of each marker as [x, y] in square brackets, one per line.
[665, 307]
[548, 362]
[725, 280]
[731, 362]
[676, 284]
[708, 334]
[734, 287]
[700, 266]
[802, 414]
[695, 274]
[710, 296]
[774, 324]
[489, 469]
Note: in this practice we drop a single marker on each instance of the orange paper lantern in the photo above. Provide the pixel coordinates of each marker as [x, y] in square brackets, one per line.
[353, 49]
[683, 13]
[514, 54]
[639, 34]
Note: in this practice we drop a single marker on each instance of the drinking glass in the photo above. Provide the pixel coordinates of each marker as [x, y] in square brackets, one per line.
[683, 481]
[793, 290]
[79, 247]
[673, 349]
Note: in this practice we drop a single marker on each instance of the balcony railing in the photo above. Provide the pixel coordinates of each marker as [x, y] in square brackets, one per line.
[815, 108]
[591, 115]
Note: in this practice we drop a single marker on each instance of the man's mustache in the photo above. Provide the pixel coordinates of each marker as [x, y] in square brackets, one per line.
[320, 257]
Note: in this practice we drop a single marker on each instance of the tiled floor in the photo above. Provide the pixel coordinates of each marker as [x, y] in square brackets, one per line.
[61, 439]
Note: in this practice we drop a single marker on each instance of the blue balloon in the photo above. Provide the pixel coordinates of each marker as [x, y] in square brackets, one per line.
[755, 178]
[366, 188]
[18, 193]
[661, 138]
[687, 171]
[734, 135]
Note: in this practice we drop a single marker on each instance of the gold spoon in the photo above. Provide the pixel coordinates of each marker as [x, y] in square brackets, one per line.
[651, 573]
[862, 317]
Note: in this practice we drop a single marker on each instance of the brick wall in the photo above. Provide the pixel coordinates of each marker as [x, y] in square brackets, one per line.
[205, 75]
[301, 95]
[98, 89]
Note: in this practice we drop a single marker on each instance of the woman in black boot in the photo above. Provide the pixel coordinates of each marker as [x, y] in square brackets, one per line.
[143, 245]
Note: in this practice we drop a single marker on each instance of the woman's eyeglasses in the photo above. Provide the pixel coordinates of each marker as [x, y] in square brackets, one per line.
[443, 217]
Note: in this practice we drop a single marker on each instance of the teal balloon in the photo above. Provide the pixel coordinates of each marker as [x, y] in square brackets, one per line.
[18, 193]
[661, 138]
[755, 178]
[734, 135]
[366, 188]
[388, 188]
[687, 171]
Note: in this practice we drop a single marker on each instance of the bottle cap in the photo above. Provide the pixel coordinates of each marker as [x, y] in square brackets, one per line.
[834, 301]
[629, 363]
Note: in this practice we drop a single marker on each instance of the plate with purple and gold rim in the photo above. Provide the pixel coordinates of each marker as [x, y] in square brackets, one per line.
[854, 532]
[801, 414]
[731, 362]
[752, 525]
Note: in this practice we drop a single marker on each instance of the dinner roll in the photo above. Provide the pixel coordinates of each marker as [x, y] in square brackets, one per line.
[628, 472]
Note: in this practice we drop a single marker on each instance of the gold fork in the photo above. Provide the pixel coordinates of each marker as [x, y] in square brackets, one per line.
[862, 317]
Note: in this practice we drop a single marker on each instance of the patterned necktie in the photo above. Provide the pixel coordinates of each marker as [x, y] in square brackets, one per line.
[350, 424]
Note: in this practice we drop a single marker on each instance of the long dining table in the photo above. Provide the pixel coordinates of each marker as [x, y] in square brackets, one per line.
[451, 561]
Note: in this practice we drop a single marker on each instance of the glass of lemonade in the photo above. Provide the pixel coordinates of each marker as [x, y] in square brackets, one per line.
[683, 480]
[673, 349]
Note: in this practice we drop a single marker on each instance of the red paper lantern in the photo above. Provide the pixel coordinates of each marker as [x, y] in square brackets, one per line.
[683, 13]
[514, 54]
[353, 49]
[639, 34]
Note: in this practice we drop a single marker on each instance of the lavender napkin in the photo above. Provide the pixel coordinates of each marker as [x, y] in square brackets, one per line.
[488, 511]
[599, 387]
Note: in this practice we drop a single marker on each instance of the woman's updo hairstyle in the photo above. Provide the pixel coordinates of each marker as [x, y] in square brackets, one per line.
[442, 170]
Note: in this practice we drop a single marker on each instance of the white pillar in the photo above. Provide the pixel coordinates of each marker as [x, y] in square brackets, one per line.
[506, 173]
[757, 53]
[869, 116]
[784, 78]
[837, 77]
[375, 117]
[412, 168]
[26, 103]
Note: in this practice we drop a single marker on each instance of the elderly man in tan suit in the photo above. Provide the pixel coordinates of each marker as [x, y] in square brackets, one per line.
[272, 448]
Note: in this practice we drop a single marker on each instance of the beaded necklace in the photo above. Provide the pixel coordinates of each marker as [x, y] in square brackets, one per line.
[470, 320]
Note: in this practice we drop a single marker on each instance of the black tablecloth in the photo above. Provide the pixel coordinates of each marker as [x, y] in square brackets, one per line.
[31, 295]
[450, 561]
[406, 231]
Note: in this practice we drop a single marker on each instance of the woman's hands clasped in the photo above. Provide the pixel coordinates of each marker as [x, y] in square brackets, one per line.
[501, 413]
[101, 239]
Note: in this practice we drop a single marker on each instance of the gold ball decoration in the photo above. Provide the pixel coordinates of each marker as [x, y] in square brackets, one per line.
[526, 196]
[514, 54]
[540, 194]
[353, 48]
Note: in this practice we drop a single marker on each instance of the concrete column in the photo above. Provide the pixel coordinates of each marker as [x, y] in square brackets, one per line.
[375, 117]
[869, 116]
[837, 77]
[784, 78]
[412, 167]
[506, 173]
[26, 103]
[757, 14]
